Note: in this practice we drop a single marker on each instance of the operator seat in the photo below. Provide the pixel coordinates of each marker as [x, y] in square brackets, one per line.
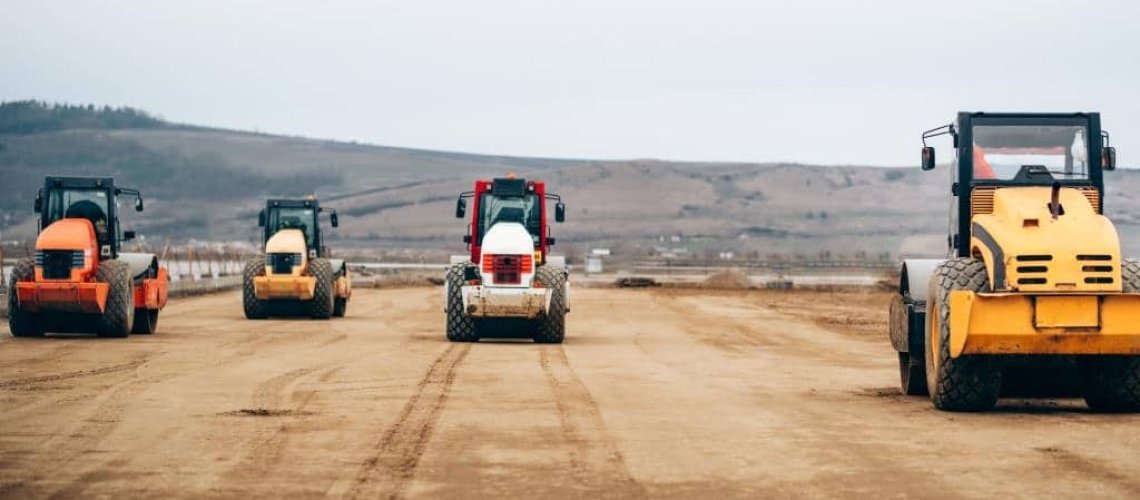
[87, 209]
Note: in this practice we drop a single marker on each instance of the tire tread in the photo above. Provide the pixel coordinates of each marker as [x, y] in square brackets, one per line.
[323, 294]
[254, 308]
[965, 383]
[460, 327]
[118, 315]
[1112, 383]
[552, 326]
[20, 322]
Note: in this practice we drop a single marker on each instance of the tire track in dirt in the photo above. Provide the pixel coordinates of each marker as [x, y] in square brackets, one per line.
[1070, 462]
[277, 404]
[71, 446]
[270, 406]
[50, 353]
[114, 401]
[746, 329]
[267, 396]
[74, 461]
[37, 392]
[234, 349]
[23, 383]
[388, 471]
[822, 434]
[595, 461]
[286, 408]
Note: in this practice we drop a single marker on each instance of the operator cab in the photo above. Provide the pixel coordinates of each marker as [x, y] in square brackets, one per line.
[996, 150]
[1021, 148]
[86, 198]
[509, 201]
[302, 215]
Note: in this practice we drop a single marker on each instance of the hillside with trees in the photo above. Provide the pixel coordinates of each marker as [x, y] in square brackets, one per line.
[207, 183]
[31, 117]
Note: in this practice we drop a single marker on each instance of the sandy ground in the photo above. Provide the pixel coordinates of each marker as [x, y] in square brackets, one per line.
[656, 393]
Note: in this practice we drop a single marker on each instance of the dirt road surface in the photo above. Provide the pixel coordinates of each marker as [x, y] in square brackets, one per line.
[655, 394]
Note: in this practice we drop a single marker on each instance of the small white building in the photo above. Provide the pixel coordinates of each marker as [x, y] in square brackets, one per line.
[594, 260]
[593, 264]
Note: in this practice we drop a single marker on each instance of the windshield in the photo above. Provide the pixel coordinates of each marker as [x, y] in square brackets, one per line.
[522, 209]
[90, 204]
[1001, 150]
[294, 218]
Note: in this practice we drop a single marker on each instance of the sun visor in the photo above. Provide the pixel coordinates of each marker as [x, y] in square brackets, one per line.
[509, 187]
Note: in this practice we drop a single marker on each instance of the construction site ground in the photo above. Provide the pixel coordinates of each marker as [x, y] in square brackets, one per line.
[659, 393]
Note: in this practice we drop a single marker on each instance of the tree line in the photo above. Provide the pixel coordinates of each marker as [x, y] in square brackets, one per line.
[31, 117]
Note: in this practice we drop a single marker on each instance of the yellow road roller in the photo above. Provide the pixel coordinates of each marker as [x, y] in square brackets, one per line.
[1034, 269]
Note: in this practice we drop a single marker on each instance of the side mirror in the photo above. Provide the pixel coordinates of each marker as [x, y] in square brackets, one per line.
[334, 220]
[928, 158]
[1108, 158]
[560, 212]
[38, 206]
[261, 219]
[460, 208]
[129, 235]
[139, 204]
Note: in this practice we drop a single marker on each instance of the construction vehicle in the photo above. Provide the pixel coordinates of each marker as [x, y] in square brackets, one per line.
[80, 280]
[517, 288]
[1034, 271]
[297, 275]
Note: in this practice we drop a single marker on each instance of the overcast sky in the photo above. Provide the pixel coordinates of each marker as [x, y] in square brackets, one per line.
[827, 81]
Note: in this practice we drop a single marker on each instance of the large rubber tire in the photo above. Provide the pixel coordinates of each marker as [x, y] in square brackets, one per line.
[552, 326]
[254, 309]
[20, 322]
[965, 383]
[119, 314]
[460, 326]
[322, 305]
[1112, 383]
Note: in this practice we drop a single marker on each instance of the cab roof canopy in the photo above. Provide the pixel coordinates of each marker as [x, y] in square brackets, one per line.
[508, 187]
[78, 182]
[292, 203]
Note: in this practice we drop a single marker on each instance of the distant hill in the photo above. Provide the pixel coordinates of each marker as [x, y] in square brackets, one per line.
[207, 183]
[31, 117]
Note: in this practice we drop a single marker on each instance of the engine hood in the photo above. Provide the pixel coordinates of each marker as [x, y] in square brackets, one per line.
[508, 238]
[287, 241]
[1026, 249]
[67, 234]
